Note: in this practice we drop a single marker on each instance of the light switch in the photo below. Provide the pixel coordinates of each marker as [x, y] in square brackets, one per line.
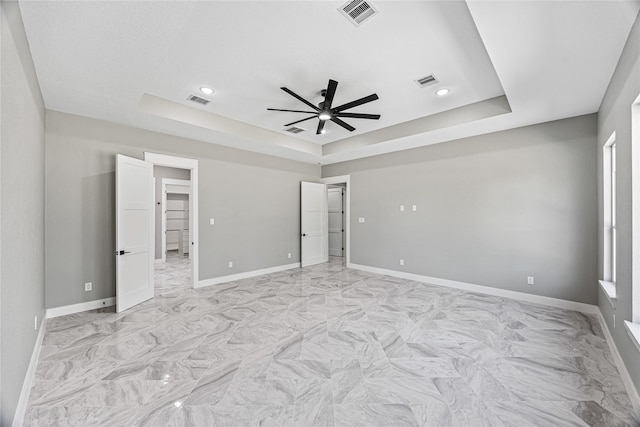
[360, 220]
[414, 208]
[401, 208]
[211, 221]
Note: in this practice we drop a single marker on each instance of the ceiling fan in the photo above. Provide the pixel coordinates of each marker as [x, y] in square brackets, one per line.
[323, 112]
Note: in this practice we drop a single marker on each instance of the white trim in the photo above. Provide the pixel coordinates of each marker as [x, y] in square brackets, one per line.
[169, 160]
[246, 275]
[23, 401]
[622, 368]
[635, 210]
[80, 307]
[609, 208]
[609, 290]
[163, 208]
[633, 329]
[344, 179]
[536, 299]
[192, 164]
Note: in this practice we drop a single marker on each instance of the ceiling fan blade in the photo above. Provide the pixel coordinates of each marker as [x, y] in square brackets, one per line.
[291, 111]
[320, 126]
[299, 98]
[355, 103]
[347, 126]
[358, 115]
[303, 120]
[331, 91]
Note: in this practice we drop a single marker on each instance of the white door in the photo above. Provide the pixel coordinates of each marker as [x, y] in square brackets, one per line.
[313, 242]
[134, 232]
[336, 229]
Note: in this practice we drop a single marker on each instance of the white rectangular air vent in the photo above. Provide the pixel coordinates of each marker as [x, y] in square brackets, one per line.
[358, 11]
[197, 99]
[426, 80]
[294, 130]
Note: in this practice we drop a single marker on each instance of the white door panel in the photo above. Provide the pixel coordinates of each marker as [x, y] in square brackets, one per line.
[134, 232]
[314, 238]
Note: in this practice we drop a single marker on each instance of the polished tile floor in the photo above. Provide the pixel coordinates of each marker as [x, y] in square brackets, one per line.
[325, 346]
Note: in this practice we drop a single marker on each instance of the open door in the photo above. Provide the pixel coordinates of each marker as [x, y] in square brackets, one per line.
[314, 226]
[134, 232]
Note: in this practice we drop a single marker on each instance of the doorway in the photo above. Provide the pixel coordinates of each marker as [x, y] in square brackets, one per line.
[343, 184]
[176, 221]
[315, 223]
[335, 205]
[173, 268]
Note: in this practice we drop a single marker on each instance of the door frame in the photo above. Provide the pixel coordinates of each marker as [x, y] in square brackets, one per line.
[344, 179]
[163, 206]
[338, 189]
[191, 164]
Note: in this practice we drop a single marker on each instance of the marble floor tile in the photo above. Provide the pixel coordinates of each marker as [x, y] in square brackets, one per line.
[325, 346]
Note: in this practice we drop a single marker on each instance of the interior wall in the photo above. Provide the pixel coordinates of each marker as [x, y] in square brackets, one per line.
[254, 199]
[615, 115]
[491, 210]
[160, 172]
[22, 117]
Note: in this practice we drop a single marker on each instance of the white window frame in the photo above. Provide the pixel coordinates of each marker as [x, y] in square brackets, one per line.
[609, 237]
[633, 327]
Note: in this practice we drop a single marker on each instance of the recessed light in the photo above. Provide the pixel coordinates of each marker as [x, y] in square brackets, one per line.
[442, 92]
[206, 90]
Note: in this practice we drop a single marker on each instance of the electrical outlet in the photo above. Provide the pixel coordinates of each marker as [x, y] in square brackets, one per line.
[401, 261]
[211, 221]
[35, 323]
[530, 280]
[88, 286]
[230, 264]
[289, 255]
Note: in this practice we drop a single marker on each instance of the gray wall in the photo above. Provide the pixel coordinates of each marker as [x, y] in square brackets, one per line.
[160, 172]
[22, 208]
[492, 209]
[615, 115]
[254, 199]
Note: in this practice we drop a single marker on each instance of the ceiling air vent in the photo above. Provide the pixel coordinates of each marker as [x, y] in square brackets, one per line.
[426, 80]
[294, 130]
[358, 11]
[197, 99]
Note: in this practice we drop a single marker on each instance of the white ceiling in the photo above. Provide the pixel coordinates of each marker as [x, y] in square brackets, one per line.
[508, 64]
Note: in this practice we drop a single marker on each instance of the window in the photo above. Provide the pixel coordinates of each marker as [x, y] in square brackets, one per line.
[609, 230]
[633, 327]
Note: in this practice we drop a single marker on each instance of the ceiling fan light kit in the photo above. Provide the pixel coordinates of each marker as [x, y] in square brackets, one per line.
[324, 113]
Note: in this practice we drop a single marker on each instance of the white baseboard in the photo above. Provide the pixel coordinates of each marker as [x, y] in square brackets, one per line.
[245, 275]
[23, 401]
[622, 368]
[78, 308]
[521, 296]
